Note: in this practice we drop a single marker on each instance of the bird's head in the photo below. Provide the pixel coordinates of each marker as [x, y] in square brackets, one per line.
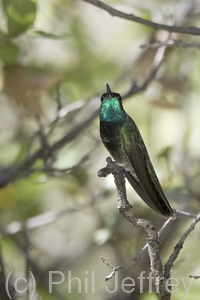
[111, 107]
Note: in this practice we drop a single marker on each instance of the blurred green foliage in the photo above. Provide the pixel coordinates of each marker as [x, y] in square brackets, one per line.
[43, 43]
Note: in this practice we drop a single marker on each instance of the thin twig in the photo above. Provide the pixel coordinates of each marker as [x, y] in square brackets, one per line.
[178, 247]
[59, 106]
[155, 67]
[46, 218]
[178, 212]
[22, 170]
[58, 172]
[131, 17]
[137, 258]
[115, 269]
[28, 265]
[171, 43]
[195, 277]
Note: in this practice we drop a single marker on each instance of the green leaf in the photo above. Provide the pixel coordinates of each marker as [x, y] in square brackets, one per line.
[9, 53]
[21, 15]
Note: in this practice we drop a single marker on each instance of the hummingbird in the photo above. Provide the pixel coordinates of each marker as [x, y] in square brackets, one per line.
[121, 137]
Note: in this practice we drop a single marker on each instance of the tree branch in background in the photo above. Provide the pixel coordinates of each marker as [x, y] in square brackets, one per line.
[155, 67]
[178, 247]
[11, 174]
[172, 43]
[46, 218]
[24, 169]
[131, 17]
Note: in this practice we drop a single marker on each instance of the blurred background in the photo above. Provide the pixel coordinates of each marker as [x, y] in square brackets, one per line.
[56, 214]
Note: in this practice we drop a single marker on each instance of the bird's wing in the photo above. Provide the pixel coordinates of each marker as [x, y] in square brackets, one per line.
[139, 190]
[147, 186]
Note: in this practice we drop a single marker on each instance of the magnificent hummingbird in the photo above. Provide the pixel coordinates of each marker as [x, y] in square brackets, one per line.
[121, 137]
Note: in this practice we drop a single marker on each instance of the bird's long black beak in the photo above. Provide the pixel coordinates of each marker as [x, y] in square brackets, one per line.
[108, 90]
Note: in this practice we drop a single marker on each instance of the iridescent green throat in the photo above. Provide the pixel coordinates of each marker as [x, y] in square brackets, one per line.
[111, 110]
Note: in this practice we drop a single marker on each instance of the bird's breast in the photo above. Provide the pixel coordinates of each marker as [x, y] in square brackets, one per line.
[111, 135]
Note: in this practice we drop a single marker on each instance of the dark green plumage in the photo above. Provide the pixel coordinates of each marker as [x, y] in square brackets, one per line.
[122, 139]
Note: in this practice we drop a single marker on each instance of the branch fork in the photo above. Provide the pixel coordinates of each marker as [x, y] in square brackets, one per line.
[160, 273]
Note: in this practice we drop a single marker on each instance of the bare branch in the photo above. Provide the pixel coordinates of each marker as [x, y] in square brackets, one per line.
[138, 257]
[115, 269]
[195, 277]
[178, 247]
[59, 106]
[10, 174]
[155, 67]
[57, 172]
[172, 43]
[46, 218]
[131, 17]
[178, 212]
[28, 263]
[152, 236]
